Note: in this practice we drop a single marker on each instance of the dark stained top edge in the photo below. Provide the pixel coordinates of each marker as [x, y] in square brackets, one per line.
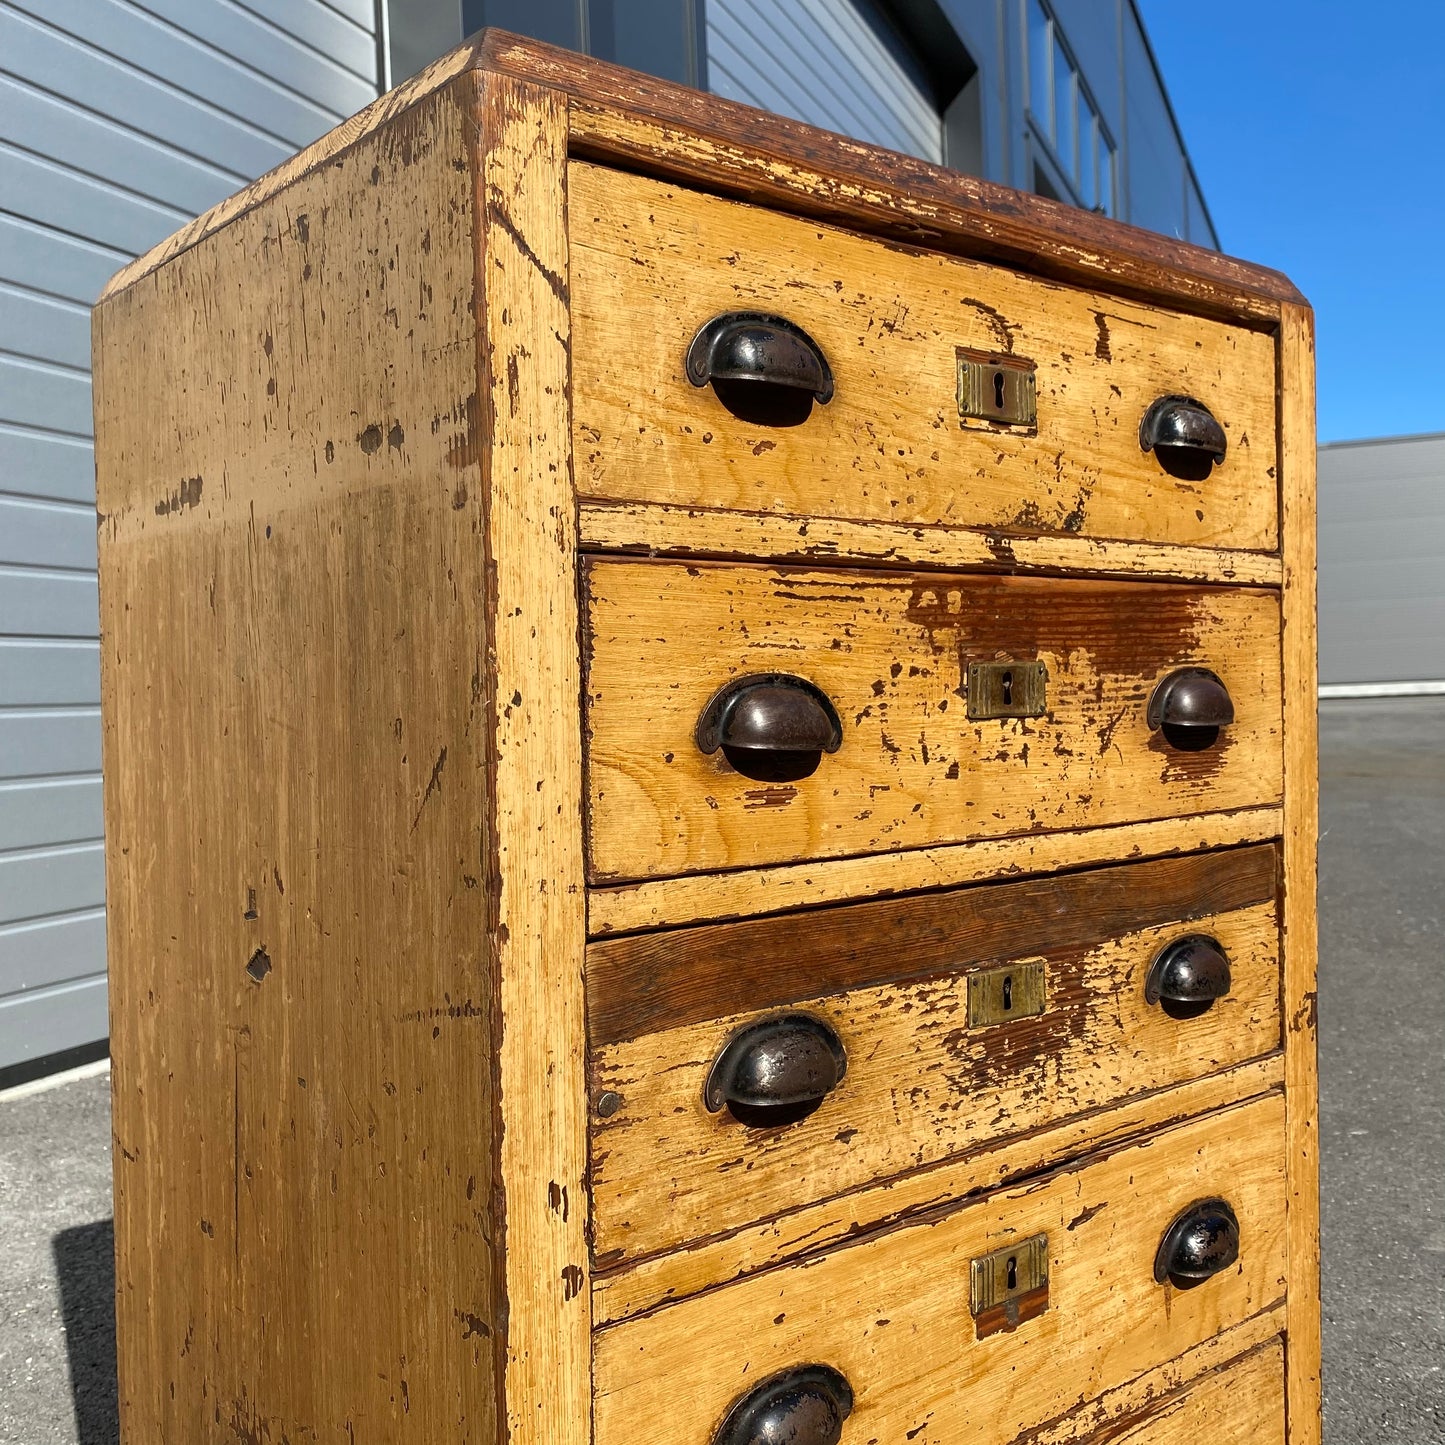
[930, 201]
[751, 153]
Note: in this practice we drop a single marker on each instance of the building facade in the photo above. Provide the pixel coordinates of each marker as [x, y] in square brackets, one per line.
[121, 119]
[1382, 566]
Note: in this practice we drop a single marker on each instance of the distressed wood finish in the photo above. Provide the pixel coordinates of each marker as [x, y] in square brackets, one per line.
[891, 650]
[331, 970]
[712, 897]
[1241, 1401]
[626, 1290]
[655, 981]
[654, 262]
[360, 634]
[655, 529]
[531, 682]
[1297, 461]
[891, 1311]
[922, 1085]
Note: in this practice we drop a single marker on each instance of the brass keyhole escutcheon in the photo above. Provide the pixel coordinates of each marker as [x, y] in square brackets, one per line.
[1001, 995]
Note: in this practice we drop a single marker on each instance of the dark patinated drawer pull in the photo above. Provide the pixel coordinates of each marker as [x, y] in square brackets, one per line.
[1201, 1242]
[755, 348]
[1180, 429]
[802, 1406]
[780, 1066]
[770, 712]
[1188, 974]
[1190, 705]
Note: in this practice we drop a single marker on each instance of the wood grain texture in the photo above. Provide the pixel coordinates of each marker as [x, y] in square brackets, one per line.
[344, 947]
[891, 1311]
[712, 897]
[653, 262]
[1238, 1402]
[653, 981]
[655, 529]
[299, 805]
[621, 115]
[891, 650]
[922, 1085]
[533, 682]
[804, 1234]
[1297, 462]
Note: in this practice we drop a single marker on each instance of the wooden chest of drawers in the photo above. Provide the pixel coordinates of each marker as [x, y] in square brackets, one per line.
[709, 751]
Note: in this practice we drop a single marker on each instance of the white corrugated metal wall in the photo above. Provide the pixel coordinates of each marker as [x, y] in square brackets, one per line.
[1382, 562]
[119, 120]
[822, 62]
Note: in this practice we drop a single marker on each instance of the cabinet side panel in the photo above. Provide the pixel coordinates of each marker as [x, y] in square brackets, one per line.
[297, 762]
[1301, 786]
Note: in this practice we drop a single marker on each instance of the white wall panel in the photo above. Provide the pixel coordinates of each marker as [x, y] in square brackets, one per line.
[1382, 561]
[42, 742]
[48, 672]
[119, 121]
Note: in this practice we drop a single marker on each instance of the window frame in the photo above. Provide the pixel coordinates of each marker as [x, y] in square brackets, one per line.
[1040, 128]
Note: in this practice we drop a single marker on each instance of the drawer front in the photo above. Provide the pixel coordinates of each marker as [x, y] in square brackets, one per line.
[892, 653]
[1242, 1404]
[926, 1074]
[651, 263]
[893, 1314]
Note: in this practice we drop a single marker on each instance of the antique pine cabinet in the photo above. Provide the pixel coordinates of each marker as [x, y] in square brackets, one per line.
[710, 796]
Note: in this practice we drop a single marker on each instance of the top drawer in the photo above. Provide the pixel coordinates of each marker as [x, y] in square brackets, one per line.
[651, 263]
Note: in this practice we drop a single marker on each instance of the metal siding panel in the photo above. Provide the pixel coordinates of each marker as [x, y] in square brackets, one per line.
[119, 120]
[62, 810]
[36, 673]
[46, 534]
[36, 603]
[46, 1021]
[48, 951]
[93, 146]
[84, 207]
[47, 466]
[42, 259]
[49, 742]
[325, 30]
[1382, 561]
[34, 393]
[156, 49]
[103, 86]
[1155, 161]
[45, 328]
[51, 880]
[268, 50]
[821, 63]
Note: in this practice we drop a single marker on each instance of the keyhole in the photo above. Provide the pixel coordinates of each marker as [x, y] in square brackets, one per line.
[1013, 1272]
[1008, 991]
[1007, 680]
[998, 390]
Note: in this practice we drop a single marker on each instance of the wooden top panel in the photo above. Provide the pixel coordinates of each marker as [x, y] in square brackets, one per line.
[622, 116]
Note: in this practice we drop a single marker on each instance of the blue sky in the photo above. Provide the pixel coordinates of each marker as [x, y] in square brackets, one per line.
[1317, 131]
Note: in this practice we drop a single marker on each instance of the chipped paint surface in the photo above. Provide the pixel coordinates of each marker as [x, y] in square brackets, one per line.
[890, 1310]
[921, 1086]
[653, 262]
[891, 650]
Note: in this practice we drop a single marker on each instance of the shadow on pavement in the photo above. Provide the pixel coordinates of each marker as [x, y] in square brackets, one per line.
[85, 1268]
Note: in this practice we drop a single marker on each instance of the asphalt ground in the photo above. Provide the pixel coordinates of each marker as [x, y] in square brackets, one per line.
[1382, 1130]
